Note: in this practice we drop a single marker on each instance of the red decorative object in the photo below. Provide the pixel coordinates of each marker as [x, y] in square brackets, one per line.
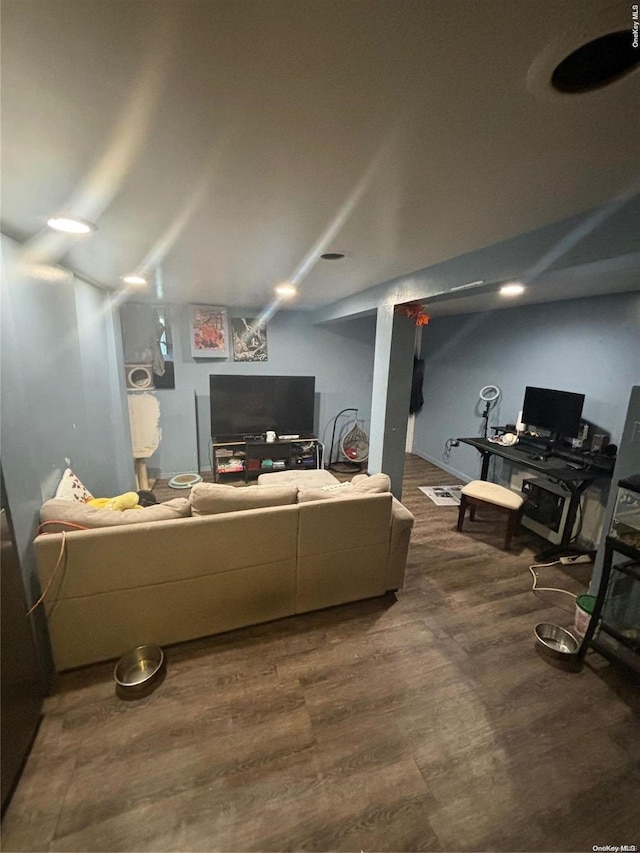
[414, 312]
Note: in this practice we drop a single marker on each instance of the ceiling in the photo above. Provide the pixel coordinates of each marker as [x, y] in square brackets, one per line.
[222, 145]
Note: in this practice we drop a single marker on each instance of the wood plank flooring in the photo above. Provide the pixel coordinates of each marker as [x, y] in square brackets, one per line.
[422, 721]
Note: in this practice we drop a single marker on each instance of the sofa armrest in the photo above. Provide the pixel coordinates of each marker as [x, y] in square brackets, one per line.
[401, 526]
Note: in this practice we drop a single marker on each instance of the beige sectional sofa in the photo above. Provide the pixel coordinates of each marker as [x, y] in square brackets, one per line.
[220, 568]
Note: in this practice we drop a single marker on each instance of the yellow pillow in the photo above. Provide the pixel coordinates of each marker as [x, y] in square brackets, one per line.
[129, 500]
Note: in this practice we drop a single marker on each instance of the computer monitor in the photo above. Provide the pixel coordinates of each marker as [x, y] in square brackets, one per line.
[559, 412]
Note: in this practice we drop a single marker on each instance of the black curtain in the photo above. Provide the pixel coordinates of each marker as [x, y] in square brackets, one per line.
[417, 399]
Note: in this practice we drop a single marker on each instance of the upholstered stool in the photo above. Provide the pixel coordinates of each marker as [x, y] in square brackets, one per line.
[480, 493]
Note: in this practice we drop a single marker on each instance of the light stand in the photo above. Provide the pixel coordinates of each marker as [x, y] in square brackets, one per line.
[489, 395]
[485, 415]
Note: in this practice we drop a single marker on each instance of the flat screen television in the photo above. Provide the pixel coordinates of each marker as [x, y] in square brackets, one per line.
[251, 405]
[556, 411]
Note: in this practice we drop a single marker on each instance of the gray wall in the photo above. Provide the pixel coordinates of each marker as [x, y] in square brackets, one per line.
[339, 355]
[393, 365]
[62, 396]
[591, 346]
[177, 452]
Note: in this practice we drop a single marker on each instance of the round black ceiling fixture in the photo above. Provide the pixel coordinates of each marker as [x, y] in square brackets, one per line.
[596, 64]
[331, 256]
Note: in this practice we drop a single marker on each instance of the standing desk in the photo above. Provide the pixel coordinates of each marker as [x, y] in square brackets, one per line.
[575, 480]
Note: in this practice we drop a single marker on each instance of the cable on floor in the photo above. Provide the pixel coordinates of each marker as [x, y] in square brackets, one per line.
[536, 588]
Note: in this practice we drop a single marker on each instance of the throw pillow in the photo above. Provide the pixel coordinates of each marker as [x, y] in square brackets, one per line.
[214, 498]
[323, 493]
[59, 514]
[71, 489]
[359, 486]
[374, 484]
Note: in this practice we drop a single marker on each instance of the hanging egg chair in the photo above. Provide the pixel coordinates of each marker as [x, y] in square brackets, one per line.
[355, 445]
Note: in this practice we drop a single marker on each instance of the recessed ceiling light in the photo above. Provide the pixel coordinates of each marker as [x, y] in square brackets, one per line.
[514, 289]
[136, 280]
[286, 291]
[597, 63]
[332, 256]
[70, 225]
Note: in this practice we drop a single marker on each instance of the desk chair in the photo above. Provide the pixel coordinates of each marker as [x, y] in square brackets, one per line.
[480, 493]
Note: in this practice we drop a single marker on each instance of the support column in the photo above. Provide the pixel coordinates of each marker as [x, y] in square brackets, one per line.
[392, 372]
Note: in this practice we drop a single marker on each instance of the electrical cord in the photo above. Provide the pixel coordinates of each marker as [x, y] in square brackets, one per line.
[536, 588]
[450, 443]
[63, 547]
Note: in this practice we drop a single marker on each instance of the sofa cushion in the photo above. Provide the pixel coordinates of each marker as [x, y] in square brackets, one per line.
[314, 477]
[59, 514]
[376, 484]
[323, 493]
[214, 498]
[359, 486]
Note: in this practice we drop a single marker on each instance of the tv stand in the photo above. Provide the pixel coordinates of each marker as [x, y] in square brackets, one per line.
[250, 457]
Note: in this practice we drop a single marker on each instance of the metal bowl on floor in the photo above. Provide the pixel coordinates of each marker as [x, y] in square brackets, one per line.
[139, 672]
[557, 641]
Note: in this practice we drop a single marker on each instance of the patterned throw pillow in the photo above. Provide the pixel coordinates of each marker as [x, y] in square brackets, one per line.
[71, 488]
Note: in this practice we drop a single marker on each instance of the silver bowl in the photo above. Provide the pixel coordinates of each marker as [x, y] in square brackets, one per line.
[557, 641]
[139, 672]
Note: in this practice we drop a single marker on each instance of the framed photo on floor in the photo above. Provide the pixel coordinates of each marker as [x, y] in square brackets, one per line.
[209, 332]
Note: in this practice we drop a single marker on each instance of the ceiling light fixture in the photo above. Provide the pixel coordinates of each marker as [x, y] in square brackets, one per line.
[71, 225]
[286, 291]
[332, 256]
[597, 63]
[514, 289]
[135, 279]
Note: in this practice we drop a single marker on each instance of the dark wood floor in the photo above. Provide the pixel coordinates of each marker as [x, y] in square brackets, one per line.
[423, 722]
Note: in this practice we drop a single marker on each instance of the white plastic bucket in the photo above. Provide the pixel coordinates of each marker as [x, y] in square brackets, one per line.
[584, 609]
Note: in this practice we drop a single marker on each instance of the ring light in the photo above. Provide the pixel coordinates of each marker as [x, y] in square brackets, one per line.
[489, 393]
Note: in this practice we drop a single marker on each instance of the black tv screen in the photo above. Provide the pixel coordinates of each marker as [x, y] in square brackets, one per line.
[251, 405]
[556, 411]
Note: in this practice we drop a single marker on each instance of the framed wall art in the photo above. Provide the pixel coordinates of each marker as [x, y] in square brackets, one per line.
[249, 339]
[209, 332]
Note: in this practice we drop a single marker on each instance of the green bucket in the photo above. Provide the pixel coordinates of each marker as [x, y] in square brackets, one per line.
[584, 611]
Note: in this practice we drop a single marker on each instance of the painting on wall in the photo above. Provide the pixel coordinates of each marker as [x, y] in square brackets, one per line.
[209, 335]
[249, 339]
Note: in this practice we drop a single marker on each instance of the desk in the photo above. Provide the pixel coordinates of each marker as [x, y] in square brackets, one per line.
[555, 468]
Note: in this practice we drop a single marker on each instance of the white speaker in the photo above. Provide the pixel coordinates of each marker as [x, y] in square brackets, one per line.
[139, 377]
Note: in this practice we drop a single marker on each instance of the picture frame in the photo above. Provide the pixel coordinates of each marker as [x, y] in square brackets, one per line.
[249, 339]
[209, 331]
